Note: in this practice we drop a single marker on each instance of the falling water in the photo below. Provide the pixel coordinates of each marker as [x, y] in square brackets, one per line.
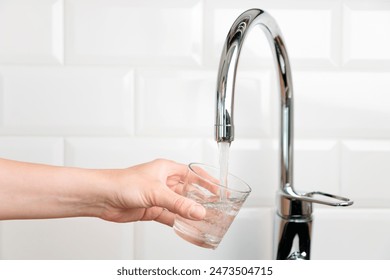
[223, 165]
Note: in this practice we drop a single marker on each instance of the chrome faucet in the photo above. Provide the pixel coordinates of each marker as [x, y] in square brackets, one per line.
[293, 222]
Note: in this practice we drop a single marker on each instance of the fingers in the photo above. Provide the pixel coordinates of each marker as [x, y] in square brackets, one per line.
[178, 168]
[166, 217]
[178, 204]
[169, 169]
[155, 213]
[177, 173]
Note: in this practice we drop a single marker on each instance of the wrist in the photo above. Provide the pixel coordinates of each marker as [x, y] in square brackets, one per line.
[91, 199]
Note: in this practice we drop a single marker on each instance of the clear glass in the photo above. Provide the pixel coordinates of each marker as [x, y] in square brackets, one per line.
[202, 185]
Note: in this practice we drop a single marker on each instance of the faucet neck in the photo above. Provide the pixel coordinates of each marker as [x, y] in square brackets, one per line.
[224, 126]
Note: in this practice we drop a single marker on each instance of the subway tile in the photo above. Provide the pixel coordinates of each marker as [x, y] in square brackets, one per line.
[66, 239]
[317, 166]
[341, 104]
[175, 103]
[134, 32]
[66, 100]
[249, 237]
[366, 36]
[309, 41]
[351, 234]
[182, 103]
[314, 41]
[31, 32]
[47, 150]
[365, 168]
[124, 152]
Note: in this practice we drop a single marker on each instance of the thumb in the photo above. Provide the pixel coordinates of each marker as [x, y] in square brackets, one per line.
[180, 205]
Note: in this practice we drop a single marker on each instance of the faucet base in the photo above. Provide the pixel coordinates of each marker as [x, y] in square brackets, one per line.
[293, 242]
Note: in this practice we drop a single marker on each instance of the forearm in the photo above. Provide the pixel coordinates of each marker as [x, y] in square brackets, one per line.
[37, 191]
[138, 193]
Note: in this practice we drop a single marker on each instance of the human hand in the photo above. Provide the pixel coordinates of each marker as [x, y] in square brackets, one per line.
[150, 191]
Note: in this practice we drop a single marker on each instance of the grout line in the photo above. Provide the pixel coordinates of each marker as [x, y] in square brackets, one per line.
[341, 169]
[64, 32]
[337, 34]
[64, 153]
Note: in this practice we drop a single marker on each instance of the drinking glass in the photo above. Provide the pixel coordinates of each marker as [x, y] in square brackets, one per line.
[222, 204]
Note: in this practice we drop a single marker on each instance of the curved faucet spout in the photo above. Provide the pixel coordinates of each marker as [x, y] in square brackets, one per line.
[294, 214]
[224, 126]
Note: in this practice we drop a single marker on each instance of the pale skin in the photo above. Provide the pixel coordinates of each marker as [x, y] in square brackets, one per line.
[145, 192]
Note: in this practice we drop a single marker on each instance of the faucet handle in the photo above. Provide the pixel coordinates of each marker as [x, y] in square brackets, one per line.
[292, 203]
[328, 199]
[318, 197]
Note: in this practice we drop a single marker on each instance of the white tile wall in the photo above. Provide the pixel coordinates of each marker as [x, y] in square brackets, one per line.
[107, 84]
[365, 165]
[83, 238]
[133, 32]
[248, 227]
[366, 30]
[181, 103]
[122, 152]
[314, 42]
[41, 100]
[31, 32]
[351, 234]
[47, 150]
[342, 104]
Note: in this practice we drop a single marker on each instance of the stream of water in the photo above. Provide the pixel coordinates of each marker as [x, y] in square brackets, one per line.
[224, 167]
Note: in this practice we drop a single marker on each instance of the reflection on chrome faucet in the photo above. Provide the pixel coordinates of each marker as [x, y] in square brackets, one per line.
[293, 222]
